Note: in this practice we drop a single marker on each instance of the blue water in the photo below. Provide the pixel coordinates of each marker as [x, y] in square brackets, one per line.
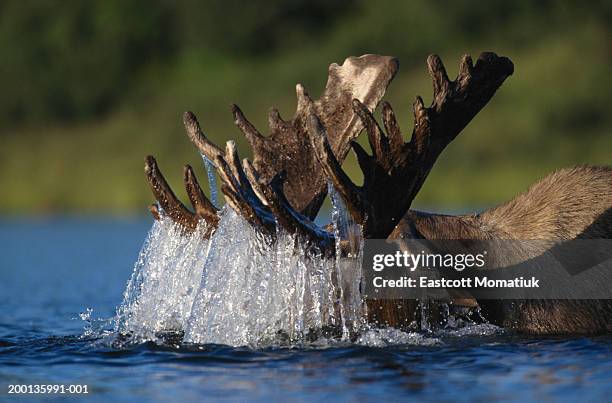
[53, 270]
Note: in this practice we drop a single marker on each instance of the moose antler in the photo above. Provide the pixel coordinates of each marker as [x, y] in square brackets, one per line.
[287, 148]
[172, 206]
[400, 168]
[265, 204]
[262, 204]
[295, 196]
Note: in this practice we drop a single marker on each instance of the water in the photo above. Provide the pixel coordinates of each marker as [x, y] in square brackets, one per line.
[251, 290]
[349, 247]
[212, 179]
[241, 288]
[52, 271]
[166, 278]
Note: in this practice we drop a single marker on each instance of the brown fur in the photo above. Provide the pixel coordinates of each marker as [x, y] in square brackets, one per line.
[568, 204]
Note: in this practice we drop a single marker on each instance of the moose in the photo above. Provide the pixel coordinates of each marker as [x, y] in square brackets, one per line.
[285, 184]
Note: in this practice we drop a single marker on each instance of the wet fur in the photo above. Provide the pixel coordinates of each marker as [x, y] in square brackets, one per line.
[568, 204]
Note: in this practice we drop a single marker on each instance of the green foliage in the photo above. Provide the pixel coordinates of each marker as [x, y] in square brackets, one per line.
[89, 88]
[72, 60]
[66, 60]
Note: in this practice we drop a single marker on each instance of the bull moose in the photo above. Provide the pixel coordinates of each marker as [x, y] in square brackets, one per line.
[286, 182]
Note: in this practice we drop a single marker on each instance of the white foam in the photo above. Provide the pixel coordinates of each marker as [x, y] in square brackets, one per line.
[390, 336]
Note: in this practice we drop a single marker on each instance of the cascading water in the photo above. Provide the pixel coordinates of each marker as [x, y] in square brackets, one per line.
[164, 283]
[349, 252]
[212, 179]
[253, 290]
[238, 288]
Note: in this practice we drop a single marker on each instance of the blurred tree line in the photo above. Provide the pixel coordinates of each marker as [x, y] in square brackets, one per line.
[70, 60]
[95, 81]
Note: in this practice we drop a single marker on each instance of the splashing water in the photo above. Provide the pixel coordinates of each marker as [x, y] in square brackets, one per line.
[212, 179]
[166, 277]
[349, 247]
[253, 291]
[243, 288]
[238, 288]
[390, 336]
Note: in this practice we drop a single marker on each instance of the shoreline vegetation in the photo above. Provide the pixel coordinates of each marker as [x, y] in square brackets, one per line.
[89, 91]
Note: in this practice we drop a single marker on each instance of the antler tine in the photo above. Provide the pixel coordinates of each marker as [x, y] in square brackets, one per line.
[289, 219]
[233, 195]
[238, 191]
[420, 135]
[273, 197]
[277, 202]
[441, 83]
[378, 141]
[250, 132]
[197, 137]
[253, 177]
[202, 206]
[275, 121]
[394, 134]
[342, 183]
[168, 201]
[465, 69]
[304, 101]
[233, 160]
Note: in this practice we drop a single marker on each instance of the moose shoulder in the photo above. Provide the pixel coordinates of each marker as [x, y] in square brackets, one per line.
[284, 186]
[557, 208]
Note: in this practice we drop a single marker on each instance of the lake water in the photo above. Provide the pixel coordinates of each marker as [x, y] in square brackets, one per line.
[53, 271]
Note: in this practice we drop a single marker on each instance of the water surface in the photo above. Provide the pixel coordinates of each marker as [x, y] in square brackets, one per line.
[52, 271]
